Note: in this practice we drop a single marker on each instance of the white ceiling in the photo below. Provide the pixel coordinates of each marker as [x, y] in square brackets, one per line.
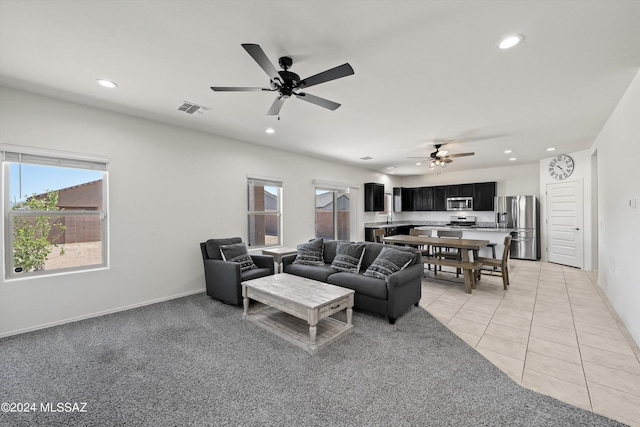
[424, 70]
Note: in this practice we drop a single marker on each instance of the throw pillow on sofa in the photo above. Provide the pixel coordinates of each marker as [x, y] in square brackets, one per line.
[310, 253]
[389, 261]
[348, 257]
[238, 252]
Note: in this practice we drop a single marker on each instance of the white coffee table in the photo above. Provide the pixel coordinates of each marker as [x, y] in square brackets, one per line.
[298, 309]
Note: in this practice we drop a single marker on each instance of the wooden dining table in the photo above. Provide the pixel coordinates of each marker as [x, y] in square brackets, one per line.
[468, 247]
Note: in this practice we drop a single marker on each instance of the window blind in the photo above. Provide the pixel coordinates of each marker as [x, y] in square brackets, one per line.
[64, 160]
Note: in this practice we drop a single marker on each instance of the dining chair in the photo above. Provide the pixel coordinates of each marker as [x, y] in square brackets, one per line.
[500, 266]
[424, 249]
[378, 234]
[449, 253]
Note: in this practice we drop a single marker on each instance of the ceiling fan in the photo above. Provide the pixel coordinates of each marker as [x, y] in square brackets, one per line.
[288, 83]
[441, 157]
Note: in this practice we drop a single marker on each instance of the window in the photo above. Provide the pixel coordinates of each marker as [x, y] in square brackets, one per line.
[54, 212]
[264, 212]
[332, 214]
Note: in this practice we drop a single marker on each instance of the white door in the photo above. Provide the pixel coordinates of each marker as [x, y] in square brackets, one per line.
[565, 233]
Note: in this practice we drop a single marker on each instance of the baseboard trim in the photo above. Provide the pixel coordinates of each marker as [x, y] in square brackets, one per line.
[100, 313]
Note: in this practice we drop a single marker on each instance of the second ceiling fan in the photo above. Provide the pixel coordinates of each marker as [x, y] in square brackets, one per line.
[442, 157]
[288, 83]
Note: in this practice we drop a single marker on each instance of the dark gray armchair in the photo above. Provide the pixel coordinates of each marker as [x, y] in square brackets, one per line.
[223, 277]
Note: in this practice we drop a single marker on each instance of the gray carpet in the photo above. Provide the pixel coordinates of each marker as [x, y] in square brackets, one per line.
[195, 361]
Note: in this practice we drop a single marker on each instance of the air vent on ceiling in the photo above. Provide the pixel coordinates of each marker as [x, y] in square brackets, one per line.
[191, 108]
[366, 158]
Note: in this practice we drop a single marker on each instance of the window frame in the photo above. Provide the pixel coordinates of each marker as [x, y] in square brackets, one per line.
[49, 158]
[265, 182]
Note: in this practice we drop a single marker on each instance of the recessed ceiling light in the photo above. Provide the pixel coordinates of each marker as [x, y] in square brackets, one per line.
[391, 167]
[107, 83]
[418, 164]
[269, 130]
[507, 151]
[551, 149]
[511, 41]
[512, 159]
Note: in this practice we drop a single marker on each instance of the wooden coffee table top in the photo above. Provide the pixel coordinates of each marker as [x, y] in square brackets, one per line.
[301, 290]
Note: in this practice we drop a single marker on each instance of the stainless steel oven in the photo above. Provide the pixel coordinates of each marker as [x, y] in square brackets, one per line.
[459, 203]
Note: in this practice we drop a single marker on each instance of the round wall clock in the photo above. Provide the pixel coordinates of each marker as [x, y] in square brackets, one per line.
[561, 167]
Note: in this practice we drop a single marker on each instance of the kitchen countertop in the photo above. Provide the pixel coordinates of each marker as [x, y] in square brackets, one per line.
[486, 227]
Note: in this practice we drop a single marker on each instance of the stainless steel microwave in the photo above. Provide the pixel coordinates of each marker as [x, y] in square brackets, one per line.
[459, 203]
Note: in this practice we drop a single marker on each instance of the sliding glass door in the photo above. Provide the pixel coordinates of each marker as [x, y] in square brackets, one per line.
[333, 214]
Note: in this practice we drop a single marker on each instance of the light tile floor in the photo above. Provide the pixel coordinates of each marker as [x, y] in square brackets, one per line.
[553, 331]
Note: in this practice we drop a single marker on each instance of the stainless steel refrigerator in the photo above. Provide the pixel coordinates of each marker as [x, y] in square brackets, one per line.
[521, 214]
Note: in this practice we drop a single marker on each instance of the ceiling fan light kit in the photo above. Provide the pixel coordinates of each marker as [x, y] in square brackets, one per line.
[288, 83]
[442, 157]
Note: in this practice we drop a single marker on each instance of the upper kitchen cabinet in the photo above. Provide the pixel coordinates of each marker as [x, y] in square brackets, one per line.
[410, 199]
[425, 199]
[440, 198]
[373, 197]
[483, 196]
[460, 190]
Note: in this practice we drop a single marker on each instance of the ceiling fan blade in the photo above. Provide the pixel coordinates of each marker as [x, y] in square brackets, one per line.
[317, 101]
[276, 106]
[239, 89]
[446, 160]
[461, 154]
[340, 71]
[260, 57]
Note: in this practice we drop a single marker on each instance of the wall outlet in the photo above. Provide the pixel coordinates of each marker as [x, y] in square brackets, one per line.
[633, 202]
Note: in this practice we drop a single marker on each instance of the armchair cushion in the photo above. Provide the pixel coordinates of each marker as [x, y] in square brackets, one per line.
[213, 246]
[238, 252]
[348, 257]
[310, 253]
[387, 262]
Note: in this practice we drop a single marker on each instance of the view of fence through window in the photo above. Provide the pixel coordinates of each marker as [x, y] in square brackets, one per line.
[265, 198]
[56, 218]
[332, 214]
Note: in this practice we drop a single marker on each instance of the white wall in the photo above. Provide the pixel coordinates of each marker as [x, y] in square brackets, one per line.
[169, 189]
[618, 157]
[511, 181]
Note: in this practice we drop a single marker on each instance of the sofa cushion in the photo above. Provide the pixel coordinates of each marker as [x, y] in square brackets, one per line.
[348, 257]
[370, 286]
[310, 253]
[389, 261]
[315, 272]
[372, 250]
[329, 250]
[238, 252]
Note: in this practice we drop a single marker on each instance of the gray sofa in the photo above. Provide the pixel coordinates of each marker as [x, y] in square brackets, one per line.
[390, 299]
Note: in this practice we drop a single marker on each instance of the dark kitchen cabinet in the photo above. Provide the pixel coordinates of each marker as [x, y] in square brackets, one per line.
[483, 196]
[460, 190]
[373, 197]
[403, 229]
[425, 199]
[409, 199]
[440, 198]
